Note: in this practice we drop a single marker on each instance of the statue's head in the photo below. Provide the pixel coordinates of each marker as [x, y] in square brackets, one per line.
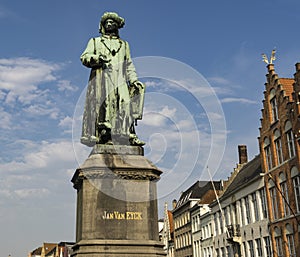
[110, 20]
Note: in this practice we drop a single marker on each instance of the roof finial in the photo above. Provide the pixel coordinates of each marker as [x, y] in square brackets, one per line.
[272, 58]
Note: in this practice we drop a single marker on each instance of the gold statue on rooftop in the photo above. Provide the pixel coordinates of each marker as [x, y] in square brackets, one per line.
[272, 58]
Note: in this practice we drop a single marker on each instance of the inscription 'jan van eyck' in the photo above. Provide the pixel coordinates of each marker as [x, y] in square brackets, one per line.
[116, 215]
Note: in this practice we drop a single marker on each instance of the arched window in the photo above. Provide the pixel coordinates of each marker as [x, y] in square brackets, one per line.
[268, 154]
[278, 146]
[273, 196]
[284, 194]
[290, 240]
[274, 108]
[290, 138]
[295, 175]
[278, 241]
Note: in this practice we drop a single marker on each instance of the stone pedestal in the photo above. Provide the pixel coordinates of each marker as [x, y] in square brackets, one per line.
[116, 204]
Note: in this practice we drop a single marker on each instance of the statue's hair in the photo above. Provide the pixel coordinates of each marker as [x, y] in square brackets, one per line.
[111, 15]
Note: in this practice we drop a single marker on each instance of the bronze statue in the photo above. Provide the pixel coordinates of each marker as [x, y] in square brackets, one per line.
[115, 97]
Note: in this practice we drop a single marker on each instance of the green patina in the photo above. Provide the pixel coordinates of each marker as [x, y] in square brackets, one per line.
[115, 97]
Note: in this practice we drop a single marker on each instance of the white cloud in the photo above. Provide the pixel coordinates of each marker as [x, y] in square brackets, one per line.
[163, 85]
[5, 119]
[32, 192]
[66, 122]
[20, 77]
[66, 85]
[219, 80]
[39, 110]
[40, 155]
[237, 100]
[158, 116]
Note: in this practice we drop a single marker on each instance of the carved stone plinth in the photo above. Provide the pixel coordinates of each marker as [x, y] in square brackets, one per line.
[116, 204]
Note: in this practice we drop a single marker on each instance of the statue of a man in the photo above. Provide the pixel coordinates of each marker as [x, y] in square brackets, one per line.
[115, 97]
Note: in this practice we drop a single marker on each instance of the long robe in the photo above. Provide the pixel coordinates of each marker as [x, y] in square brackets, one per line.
[107, 104]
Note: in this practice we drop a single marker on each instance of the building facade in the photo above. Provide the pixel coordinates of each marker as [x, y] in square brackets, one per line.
[62, 249]
[200, 193]
[280, 153]
[168, 232]
[201, 230]
[240, 219]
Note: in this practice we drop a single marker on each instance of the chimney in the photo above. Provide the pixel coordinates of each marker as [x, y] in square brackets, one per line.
[243, 156]
[174, 203]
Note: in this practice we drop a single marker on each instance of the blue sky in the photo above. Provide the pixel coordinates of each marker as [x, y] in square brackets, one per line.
[42, 83]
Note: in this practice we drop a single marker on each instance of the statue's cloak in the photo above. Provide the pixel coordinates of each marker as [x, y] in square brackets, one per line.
[108, 104]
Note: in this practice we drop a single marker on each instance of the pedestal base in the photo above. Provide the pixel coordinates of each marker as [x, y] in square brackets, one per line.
[117, 204]
[118, 248]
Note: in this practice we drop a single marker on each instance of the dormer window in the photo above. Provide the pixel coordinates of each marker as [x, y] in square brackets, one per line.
[274, 107]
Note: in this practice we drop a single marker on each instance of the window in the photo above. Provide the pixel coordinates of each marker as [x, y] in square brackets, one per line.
[291, 245]
[242, 206]
[234, 217]
[248, 213]
[290, 138]
[273, 103]
[262, 194]
[255, 207]
[245, 249]
[216, 224]
[229, 253]
[278, 146]
[274, 202]
[226, 212]
[268, 251]
[223, 252]
[258, 247]
[268, 153]
[296, 183]
[278, 241]
[251, 249]
[221, 222]
[290, 240]
[285, 200]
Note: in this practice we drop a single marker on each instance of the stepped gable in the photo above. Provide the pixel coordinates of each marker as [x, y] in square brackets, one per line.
[287, 86]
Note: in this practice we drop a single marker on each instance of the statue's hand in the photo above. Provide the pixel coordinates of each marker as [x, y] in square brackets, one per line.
[103, 59]
[98, 61]
[104, 62]
[94, 62]
[138, 85]
[135, 88]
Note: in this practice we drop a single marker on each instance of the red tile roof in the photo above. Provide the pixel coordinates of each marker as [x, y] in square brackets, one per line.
[287, 85]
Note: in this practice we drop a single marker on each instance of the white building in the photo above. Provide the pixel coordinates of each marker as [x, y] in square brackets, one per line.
[202, 231]
[240, 222]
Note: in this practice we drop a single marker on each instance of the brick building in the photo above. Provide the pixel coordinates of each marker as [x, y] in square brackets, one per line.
[280, 154]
